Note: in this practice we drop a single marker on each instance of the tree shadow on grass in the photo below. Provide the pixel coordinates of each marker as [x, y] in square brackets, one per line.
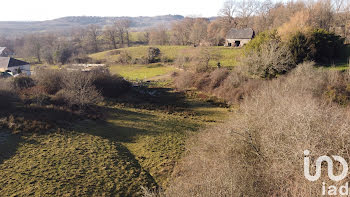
[8, 144]
[117, 135]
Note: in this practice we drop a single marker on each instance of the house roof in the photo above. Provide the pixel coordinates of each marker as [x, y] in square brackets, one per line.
[6, 62]
[2, 49]
[246, 33]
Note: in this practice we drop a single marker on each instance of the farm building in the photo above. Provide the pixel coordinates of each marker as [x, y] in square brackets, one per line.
[9, 64]
[239, 37]
[5, 52]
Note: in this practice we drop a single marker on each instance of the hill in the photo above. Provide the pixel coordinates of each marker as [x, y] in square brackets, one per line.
[68, 23]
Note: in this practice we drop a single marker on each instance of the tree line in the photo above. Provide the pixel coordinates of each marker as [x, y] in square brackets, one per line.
[53, 48]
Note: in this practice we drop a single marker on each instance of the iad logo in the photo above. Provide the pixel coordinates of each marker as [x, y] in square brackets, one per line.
[329, 164]
[330, 190]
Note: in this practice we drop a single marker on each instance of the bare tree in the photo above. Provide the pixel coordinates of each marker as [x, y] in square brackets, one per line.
[33, 46]
[228, 11]
[110, 34]
[241, 9]
[181, 31]
[199, 31]
[122, 27]
[145, 37]
[216, 33]
[321, 14]
[159, 36]
[92, 35]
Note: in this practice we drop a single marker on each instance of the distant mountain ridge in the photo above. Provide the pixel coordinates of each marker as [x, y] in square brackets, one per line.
[8, 28]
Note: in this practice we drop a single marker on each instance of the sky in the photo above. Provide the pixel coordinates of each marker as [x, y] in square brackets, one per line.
[39, 10]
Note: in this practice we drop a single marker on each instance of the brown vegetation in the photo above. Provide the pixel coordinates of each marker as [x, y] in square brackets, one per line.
[259, 152]
[232, 86]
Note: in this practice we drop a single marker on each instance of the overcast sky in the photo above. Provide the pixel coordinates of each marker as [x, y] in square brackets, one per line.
[29, 10]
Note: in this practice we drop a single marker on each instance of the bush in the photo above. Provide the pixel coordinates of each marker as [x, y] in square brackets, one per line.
[124, 57]
[23, 82]
[272, 59]
[230, 86]
[324, 47]
[51, 80]
[299, 47]
[36, 94]
[261, 39]
[184, 80]
[109, 85]
[195, 59]
[153, 55]
[317, 45]
[236, 87]
[78, 89]
[217, 77]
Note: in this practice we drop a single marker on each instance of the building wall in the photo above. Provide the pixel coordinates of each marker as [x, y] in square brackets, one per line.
[232, 41]
[25, 69]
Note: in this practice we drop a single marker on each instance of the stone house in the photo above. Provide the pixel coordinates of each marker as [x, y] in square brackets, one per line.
[239, 37]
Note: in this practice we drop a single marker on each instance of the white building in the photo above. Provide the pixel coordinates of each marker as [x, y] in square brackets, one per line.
[9, 64]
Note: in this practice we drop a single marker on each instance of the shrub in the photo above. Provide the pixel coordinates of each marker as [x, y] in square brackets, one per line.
[36, 94]
[124, 57]
[261, 39]
[299, 47]
[79, 89]
[272, 59]
[109, 85]
[23, 82]
[236, 87]
[51, 80]
[316, 45]
[153, 55]
[217, 77]
[202, 81]
[324, 47]
[184, 80]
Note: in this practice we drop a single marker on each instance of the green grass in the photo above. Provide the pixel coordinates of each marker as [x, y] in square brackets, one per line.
[340, 68]
[71, 164]
[141, 72]
[138, 52]
[227, 56]
[133, 147]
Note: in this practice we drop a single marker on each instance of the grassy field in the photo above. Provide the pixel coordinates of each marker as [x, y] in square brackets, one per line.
[141, 72]
[227, 56]
[137, 144]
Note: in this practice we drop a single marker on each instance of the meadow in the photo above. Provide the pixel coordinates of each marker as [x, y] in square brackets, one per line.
[137, 144]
